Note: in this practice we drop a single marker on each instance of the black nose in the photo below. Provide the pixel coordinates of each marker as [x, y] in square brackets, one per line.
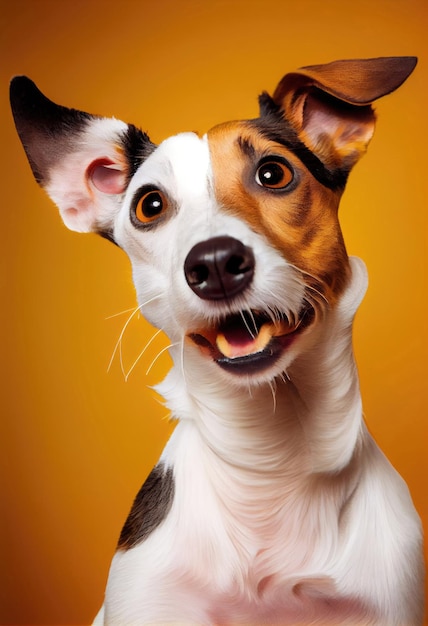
[219, 268]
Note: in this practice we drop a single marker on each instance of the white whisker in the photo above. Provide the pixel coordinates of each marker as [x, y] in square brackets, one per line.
[273, 315]
[251, 314]
[182, 360]
[159, 354]
[318, 293]
[142, 352]
[118, 345]
[285, 377]
[310, 287]
[272, 385]
[252, 335]
[120, 313]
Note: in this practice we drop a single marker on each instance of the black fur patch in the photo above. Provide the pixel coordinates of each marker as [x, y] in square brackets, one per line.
[273, 125]
[150, 507]
[108, 234]
[137, 146]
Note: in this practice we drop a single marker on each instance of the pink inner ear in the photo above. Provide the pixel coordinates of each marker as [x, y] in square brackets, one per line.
[107, 176]
[348, 128]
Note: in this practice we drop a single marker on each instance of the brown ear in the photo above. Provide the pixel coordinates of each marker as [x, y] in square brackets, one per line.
[83, 161]
[330, 105]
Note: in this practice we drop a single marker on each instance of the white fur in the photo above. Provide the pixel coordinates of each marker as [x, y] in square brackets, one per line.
[81, 204]
[285, 511]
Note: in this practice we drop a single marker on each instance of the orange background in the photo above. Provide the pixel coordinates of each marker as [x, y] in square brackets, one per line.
[79, 441]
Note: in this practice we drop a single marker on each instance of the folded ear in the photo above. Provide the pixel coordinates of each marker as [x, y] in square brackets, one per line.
[330, 105]
[83, 161]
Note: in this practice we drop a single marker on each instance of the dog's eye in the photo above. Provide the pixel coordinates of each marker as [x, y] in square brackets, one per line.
[274, 175]
[150, 206]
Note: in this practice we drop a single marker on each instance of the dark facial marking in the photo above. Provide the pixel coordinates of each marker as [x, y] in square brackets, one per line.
[246, 147]
[273, 125]
[300, 210]
[150, 507]
[137, 147]
[108, 234]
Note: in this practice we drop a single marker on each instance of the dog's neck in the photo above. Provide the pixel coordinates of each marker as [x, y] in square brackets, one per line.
[308, 415]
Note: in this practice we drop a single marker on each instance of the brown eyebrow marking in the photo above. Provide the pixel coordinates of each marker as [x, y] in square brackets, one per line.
[246, 147]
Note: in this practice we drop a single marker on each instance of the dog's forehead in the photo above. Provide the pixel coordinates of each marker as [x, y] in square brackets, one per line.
[180, 162]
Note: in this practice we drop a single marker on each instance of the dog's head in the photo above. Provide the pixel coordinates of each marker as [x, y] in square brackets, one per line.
[234, 237]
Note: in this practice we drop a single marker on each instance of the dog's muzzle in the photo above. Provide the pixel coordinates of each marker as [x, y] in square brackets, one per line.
[249, 341]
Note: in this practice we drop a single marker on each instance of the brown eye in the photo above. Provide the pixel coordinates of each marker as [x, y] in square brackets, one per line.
[274, 175]
[150, 206]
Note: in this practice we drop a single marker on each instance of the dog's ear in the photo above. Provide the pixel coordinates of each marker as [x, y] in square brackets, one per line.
[329, 106]
[84, 162]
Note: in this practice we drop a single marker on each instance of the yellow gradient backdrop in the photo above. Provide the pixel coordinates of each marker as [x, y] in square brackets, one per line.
[78, 441]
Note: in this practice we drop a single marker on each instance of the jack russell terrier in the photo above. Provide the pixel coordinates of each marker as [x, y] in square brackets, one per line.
[271, 503]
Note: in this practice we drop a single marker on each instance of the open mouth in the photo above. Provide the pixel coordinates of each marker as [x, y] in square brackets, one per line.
[251, 341]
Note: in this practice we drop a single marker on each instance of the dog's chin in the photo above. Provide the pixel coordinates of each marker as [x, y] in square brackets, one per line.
[251, 344]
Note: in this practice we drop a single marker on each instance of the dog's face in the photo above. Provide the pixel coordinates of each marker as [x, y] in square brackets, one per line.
[235, 247]
[234, 237]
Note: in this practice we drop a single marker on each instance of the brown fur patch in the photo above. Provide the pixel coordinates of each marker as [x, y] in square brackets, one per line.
[300, 221]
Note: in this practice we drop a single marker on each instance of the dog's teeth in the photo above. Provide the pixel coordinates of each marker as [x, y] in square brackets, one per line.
[226, 348]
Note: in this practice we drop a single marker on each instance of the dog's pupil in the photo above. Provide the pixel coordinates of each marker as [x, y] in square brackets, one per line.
[271, 174]
[152, 204]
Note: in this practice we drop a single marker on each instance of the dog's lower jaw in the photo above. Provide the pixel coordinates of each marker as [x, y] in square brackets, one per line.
[307, 394]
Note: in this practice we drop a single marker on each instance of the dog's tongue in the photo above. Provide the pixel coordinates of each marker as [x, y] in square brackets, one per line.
[237, 338]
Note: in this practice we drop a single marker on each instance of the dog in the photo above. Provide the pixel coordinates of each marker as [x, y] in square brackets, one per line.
[271, 503]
